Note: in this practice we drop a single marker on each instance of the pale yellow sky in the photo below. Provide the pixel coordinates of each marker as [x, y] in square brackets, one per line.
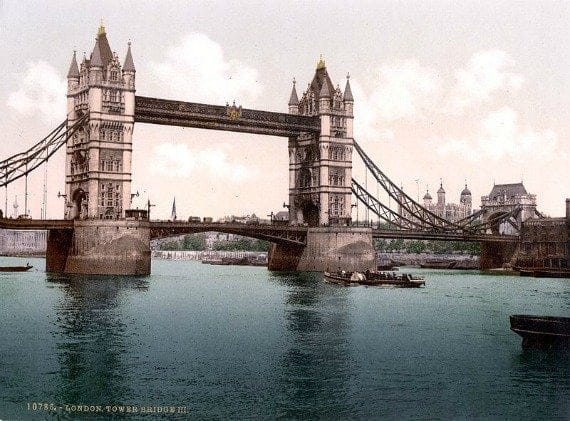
[443, 90]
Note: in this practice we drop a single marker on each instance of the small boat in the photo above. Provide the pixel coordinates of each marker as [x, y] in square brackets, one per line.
[16, 268]
[438, 264]
[374, 278]
[545, 272]
[542, 332]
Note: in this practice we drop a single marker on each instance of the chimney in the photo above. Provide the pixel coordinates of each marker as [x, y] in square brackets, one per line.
[568, 209]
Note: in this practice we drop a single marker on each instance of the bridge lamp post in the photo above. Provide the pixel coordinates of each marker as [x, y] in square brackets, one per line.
[271, 217]
[59, 196]
[148, 206]
[355, 205]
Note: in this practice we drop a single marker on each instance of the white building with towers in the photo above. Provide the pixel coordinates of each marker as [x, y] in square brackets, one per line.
[450, 211]
[98, 156]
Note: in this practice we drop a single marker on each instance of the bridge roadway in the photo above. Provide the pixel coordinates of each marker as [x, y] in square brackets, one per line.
[282, 234]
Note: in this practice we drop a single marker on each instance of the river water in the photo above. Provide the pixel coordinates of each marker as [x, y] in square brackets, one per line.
[223, 342]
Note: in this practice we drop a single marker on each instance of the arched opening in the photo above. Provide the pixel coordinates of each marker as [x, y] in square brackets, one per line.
[501, 226]
[310, 213]
[77, 203]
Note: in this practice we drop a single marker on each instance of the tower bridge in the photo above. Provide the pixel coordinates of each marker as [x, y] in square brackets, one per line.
[96, 235]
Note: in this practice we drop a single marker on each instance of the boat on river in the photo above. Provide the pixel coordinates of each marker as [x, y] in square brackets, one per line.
[542, 332]
[16, 268]
[374, 278]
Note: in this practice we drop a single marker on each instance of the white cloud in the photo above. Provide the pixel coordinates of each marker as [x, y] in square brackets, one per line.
[404, 90]
[485, 75]
[177, 160]
[41, 91]
[196, 69]
[500, 136]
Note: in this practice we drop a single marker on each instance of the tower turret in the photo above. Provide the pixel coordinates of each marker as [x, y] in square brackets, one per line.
[129, 69]
[73, 74]
[427, 199]
[465, 196]
[294, 100]
[441, 195]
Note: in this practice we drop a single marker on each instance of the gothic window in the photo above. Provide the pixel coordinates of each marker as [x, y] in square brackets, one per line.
[114, 97]
[304, 177]
[336, 205]
[336, 176]
[114, 75]
[315, 178]
[102, 195]
[110, 195]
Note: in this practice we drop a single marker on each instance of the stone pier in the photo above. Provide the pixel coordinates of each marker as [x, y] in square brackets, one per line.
[496, 254]
[327, 249]
[100, 247]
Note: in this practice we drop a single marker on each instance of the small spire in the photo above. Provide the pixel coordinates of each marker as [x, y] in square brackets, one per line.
[129, 65]
[73, 69]
[347, 91]
[321, 63]
[294, 99]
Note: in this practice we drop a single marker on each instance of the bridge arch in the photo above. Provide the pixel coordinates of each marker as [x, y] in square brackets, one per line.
[500, 224]
[78, 203]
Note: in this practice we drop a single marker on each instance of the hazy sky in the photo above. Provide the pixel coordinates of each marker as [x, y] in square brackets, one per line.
[457, 91]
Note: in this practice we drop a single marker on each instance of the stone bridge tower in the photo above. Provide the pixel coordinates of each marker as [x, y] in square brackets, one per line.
[503, 199]
[320, 166]
[98, 157]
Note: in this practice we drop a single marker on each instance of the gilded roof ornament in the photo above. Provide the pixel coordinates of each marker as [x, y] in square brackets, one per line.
[101, 30]
[321, 63]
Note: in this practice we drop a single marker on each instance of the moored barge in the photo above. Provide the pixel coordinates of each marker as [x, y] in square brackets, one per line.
[542, 332]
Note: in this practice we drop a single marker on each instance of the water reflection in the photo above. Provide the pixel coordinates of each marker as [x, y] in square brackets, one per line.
[543, 376]
[318, 359]
[92, 337]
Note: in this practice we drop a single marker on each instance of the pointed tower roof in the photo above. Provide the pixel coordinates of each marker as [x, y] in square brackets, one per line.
[347, 91]
[321, 77]
[102, 54]
[73, 68]
[129, 65]
[441, 188]
[95, 60]
[294, 99]
[325, 91]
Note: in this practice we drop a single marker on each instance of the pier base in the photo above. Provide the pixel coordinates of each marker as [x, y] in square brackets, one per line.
[99, 247]
[327, 249]
[496, 254]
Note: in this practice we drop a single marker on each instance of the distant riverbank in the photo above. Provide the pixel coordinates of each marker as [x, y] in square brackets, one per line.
[460, 261]
[206, 254]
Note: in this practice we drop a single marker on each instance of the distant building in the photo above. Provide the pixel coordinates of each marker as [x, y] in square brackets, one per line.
[503, 199]
[449, 211]
[17, 242]
[545, 243]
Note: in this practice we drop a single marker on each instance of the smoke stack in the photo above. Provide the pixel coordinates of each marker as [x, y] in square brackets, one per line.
[567, 208]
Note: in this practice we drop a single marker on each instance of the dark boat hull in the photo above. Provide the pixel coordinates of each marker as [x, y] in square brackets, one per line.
[542, 332]
[395, 283]
[15, 268]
